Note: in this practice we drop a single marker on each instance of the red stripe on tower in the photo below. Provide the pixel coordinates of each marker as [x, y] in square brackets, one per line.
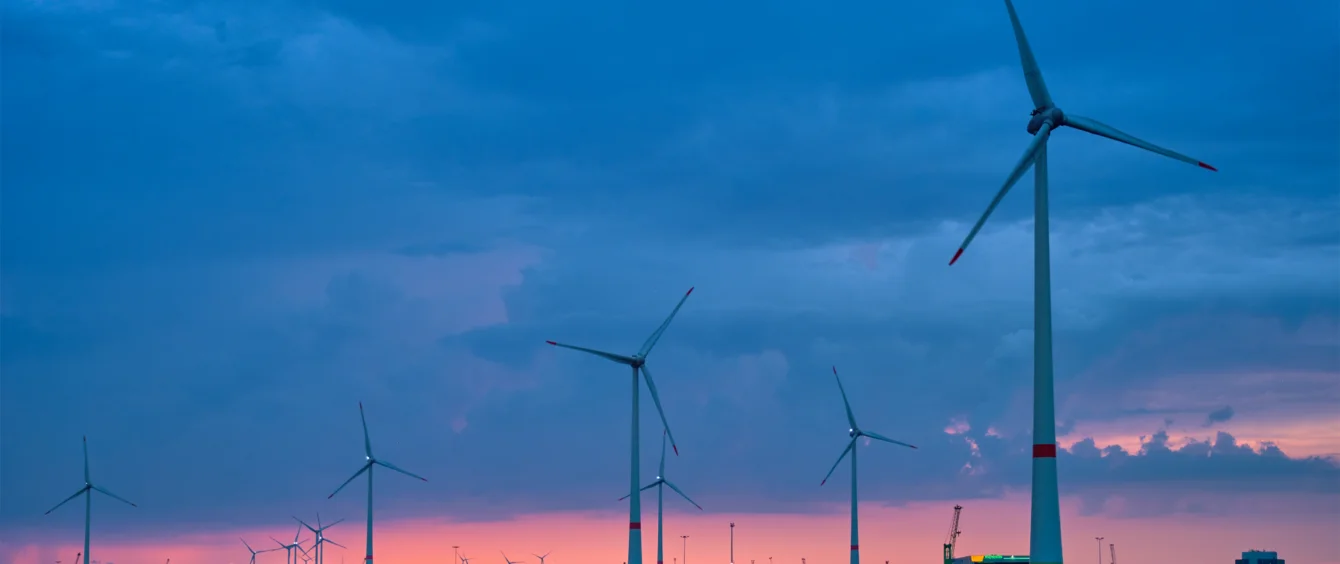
[635, 526]
[856, 547]
[1044, 451]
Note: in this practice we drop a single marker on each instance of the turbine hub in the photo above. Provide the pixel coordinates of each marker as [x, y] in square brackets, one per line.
[1040, 116]
[638, 361]
[851, 432]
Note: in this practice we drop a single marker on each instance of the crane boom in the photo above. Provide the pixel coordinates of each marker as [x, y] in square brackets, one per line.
[952, 538]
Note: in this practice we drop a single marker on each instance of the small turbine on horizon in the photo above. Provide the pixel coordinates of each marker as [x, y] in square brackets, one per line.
[546, 555]
[319, 532]
[1045, 520]
[367, 467]
[291, 559]
[253, 551]
[855, 432]
[638, 362]
[659, 484]
[510, 561]
[88, 490]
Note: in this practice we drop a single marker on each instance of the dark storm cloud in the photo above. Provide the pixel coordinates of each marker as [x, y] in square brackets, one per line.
[1218, 416]
[217, 243]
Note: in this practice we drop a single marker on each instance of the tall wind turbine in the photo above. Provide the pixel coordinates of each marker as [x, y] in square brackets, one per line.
[660, 503]
[320, 532]
[854, 432]
[253, 551]
[542, 557]
[88, 490]
[638, 361]
[367, 467]
[1045, 528]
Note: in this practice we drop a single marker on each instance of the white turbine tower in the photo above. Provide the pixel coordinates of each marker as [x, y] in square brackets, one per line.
[253, 551]
[854, 432]
[659, 484]
[367, 467]
[88, 490]
[638, 362]
[1045, 526]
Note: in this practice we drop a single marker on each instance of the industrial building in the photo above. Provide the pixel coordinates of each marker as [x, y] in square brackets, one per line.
[1260, 557]
[990, 558]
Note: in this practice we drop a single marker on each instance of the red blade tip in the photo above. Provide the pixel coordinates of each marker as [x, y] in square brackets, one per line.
[676, 447]
[955, 259]
[824, 482]
[552, 343]
[1208, 167]
[689, 292]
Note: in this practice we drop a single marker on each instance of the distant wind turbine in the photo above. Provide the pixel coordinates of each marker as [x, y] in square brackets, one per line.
[253, 551]
[367, 467]
[659, 484]
[638, 361]
[510, 561]
[465, 560]
[855, 432]
[291, 559]
[88, 490]
[546, 555]
[319, 531]
[1045, 529]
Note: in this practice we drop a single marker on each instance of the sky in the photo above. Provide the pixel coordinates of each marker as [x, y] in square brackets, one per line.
[225, 224]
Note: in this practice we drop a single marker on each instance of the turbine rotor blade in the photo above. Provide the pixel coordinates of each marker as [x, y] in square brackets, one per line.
[651, 485]
[87, 480]
[880, 437]
[682, 494]
[112, 495]
[1026, 161]
[244, 543]
[399, 469]
[360, 472]
[621, 359]
[662, 470]
[281, 545]
[72, 496]
[1100, 129]
[850, 445]
[367, 441]
[656, 399]
[334, 543]
[300, 522]
[851, 419]
[1037, 89]
[656, 335]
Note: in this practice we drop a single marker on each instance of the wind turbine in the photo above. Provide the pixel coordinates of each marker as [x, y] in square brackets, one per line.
[367, 467]
[638, 361]
[1045, 527]
[319, 531]
[854, 432]
[546, 555]
[88, 490]
[660, 503]
[509, 561]
[253, 551]
[465, 560]
[290, 558]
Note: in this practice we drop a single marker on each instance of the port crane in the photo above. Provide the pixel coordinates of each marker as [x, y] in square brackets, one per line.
[952, 538]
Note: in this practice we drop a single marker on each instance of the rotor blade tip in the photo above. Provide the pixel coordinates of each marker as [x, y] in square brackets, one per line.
[676, 447]
[823, 482]
[1207, 167]
[835, 371]
[955, 259]
[552, 343]
[690, 291]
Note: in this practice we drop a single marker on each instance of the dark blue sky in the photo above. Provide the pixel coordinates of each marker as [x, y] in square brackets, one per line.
[224, 225]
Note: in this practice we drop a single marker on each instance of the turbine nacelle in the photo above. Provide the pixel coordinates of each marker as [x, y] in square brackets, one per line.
[1041, 116]
[852, 433]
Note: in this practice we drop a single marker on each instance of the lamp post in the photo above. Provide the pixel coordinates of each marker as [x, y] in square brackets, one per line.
[455, 554]
[1100, 549]
[732, 543]
[685, 549]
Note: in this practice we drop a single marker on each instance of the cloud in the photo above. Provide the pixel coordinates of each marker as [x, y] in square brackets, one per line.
[1218, 416]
